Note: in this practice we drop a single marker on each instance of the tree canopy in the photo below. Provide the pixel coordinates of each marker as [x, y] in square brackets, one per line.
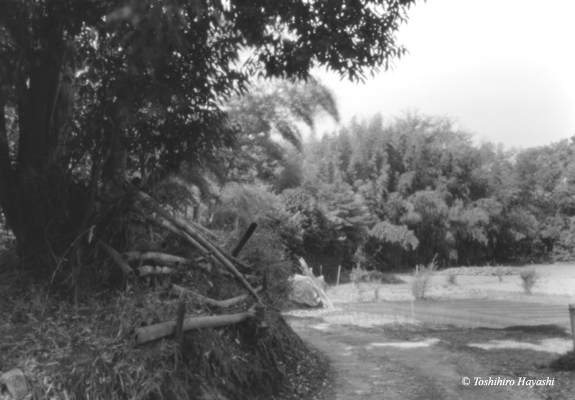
[92, 90]
[429, 190]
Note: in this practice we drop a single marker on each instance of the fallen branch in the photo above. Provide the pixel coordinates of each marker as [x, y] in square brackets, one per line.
[203, 242]
[159, 258]
[148, 333]
[204, 230]
[171, 228]
[179, 291]
[145, 270]
[126, 269]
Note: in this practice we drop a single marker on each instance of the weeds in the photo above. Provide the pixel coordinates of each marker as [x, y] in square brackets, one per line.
[358, 274]
[421, 279]
[529, 279]
[499, 271]
[451, 278]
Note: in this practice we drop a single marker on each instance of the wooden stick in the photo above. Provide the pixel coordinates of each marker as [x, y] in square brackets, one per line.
[158, 258]
[148, 333]
[153, 270]
[189, 228]
[204, 230]
[217, 253]
[572, 317]
[179, 331]
[187, 238]
[171, 228]
[180, 291]
[247, 235]
[126, 269]
[338, 272]
[194, 223]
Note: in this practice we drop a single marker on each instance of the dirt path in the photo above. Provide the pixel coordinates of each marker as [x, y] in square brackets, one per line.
[373, 363]
[370, 366]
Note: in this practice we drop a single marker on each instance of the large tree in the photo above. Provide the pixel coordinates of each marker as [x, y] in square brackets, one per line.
[93, 89]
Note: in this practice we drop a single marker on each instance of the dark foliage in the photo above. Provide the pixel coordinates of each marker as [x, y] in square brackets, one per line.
[94, 91]
[424, 189]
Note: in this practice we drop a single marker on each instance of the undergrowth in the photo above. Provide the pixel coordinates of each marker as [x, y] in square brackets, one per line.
[83, 346]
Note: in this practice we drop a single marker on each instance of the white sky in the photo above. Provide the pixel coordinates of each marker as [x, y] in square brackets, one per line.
[503, 69]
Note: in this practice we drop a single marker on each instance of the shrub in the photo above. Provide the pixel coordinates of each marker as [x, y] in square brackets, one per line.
[451, 278]
[421, 279]
[358, 274]
[529, 279]
[499, 271]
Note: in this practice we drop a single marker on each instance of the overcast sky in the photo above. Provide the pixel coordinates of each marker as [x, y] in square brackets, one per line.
[504, 69]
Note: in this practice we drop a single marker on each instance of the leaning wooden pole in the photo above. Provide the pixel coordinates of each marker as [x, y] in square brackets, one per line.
[247, 235]
[572, 318]
[171, 228]
[126, 269]
[204, 243]
[186, 227]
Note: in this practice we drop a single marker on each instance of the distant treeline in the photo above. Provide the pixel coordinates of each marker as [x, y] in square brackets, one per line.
[398, 193]
[394, 193]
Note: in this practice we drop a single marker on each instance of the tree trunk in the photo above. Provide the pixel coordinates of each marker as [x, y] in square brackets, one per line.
[34, 195]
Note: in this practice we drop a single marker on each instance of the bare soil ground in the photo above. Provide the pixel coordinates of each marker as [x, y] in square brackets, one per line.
[377, 355]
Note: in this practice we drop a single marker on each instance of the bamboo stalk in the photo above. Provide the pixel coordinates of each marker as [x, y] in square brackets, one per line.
[171, 228]
[148, 333]
[179, 291]
[216, 252]
[189, 228]
[159, 258]
[126, 269]
[194, 223]
[179, 330]
[204, 230]
[145, 270]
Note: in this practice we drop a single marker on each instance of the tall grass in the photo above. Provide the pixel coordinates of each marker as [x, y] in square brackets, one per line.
[421, 279]
[451, 278]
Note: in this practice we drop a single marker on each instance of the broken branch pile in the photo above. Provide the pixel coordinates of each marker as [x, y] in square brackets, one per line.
[145, 263]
